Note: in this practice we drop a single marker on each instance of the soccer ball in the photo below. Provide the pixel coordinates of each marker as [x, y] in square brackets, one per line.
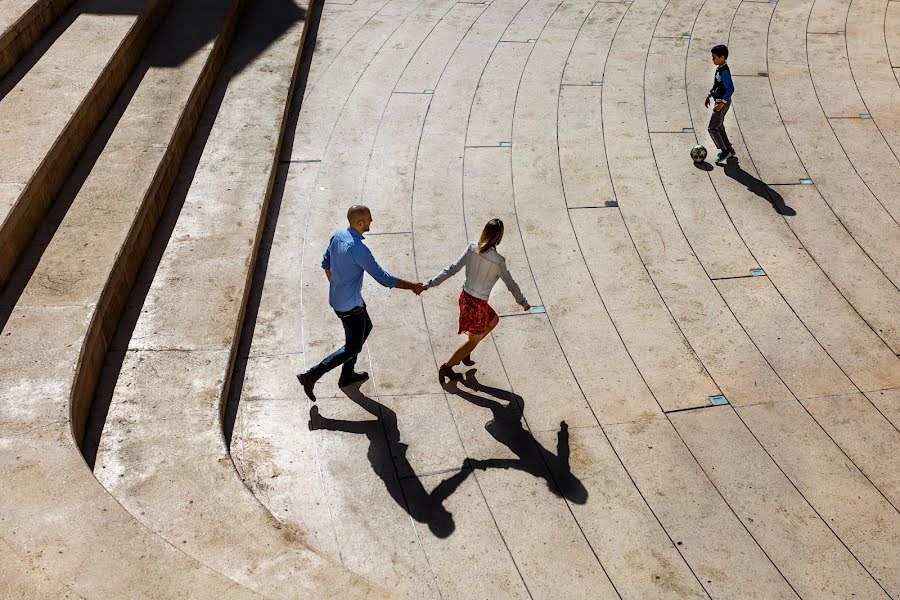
[698, 154]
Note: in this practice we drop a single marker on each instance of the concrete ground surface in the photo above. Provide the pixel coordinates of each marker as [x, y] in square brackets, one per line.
[708, 408]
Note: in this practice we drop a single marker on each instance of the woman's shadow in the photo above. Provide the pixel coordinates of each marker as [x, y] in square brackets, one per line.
[387, 455]
[507, 428]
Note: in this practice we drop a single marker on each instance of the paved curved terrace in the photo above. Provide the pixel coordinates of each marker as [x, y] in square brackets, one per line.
[709, 407]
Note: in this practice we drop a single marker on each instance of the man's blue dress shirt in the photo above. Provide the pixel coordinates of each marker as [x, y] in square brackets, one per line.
[347, 257]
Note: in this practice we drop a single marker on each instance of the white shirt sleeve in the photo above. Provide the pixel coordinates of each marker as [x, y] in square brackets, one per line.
[450, 270]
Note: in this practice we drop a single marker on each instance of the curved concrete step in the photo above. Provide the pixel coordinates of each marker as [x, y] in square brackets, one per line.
[48, 118]
[163, 453]
[55, 338]
[19, 578]
[21, 24]
[873, 265]
[871, 65]
[53, 509]
[816, 380]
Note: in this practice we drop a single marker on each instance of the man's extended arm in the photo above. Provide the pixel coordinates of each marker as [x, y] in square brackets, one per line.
[364, 258]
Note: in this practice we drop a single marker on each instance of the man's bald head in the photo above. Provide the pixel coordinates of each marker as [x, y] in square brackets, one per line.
[359, 217]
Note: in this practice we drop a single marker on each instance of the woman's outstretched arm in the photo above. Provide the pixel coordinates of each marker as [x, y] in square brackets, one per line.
[449, 271]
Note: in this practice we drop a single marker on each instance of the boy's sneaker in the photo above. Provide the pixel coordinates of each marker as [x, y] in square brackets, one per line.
[722, 156]
[731, 154]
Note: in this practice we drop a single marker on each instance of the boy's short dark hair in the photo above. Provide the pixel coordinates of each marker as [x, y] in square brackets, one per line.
[720, 50]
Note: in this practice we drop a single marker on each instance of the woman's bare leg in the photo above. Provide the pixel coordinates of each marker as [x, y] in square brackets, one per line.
[464, 350]
[467, 347]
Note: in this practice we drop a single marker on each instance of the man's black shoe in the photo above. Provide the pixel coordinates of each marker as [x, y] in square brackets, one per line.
[352, 378]
[308, 385]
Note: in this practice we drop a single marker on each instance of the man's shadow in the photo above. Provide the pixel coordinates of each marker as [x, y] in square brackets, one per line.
[387, 455]
[733, 169]
[507, 428]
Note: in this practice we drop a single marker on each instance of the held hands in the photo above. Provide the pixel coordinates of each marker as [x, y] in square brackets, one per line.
[706, 102]
[415, 287]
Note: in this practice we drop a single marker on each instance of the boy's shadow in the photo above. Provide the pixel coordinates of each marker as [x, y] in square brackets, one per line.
[387, 455]
[733, 169]
[507, 428]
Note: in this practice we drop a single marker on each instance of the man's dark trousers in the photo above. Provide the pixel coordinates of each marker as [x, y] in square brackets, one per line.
[357, 327]
[717, 128]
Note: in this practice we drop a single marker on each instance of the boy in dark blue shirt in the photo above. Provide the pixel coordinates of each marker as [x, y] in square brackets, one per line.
[720, 92]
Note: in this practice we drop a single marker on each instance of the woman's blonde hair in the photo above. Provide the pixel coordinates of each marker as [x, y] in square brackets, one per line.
[490, 235]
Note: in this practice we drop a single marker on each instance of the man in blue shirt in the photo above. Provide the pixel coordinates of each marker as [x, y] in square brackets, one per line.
[345, 261]
[720, 92]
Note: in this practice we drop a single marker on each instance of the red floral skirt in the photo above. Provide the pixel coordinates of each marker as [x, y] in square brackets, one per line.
[474, 314]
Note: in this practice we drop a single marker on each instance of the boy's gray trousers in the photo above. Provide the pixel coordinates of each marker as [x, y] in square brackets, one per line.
[717, 128]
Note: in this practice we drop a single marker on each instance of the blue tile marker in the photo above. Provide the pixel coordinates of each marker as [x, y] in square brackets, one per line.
[806, 182]
[611, 204]
[597, 83]
[686, 36]
[537, 310]
[687, 130]
[718, 400]
[506, 144]
[865, 116]
[532, 41]
[429, 92]
[757, 272]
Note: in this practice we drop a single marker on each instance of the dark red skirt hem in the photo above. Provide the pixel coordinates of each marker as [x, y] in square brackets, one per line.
[475, 314]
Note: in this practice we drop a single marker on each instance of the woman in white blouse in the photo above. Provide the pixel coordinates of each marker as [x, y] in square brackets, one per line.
[484, 266]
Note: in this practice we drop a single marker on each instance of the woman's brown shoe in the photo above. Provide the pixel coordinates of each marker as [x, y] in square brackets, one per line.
[447, 372]
[468, 360]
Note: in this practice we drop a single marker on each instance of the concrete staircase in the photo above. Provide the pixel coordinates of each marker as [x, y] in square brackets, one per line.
[119, 95]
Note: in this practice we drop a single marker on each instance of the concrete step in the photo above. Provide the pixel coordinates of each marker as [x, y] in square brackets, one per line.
[48, 118]
[55, 338]
[21, 24]
[162, 453]
[19, 578]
